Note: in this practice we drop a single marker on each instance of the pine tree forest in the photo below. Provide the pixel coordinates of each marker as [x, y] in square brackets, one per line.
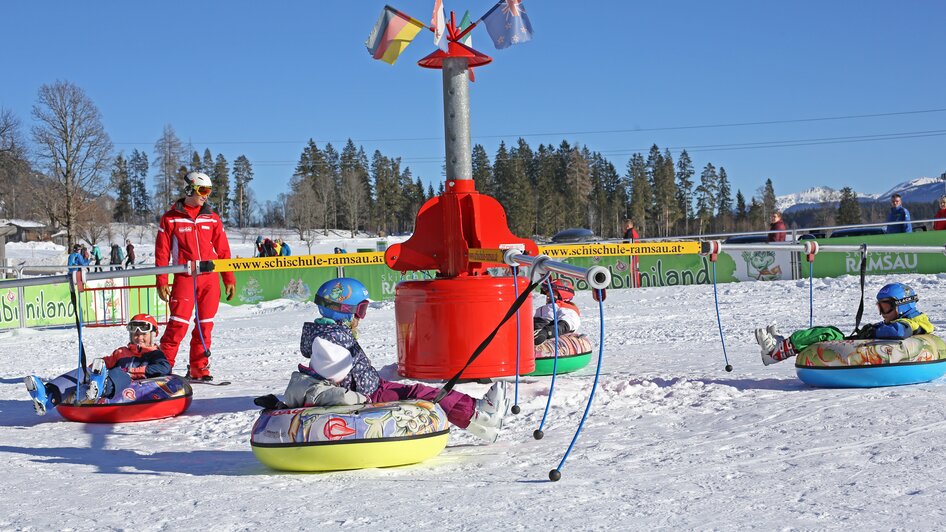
[543, 189]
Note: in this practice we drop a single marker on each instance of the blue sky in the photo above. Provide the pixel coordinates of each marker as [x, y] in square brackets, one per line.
[261, 78]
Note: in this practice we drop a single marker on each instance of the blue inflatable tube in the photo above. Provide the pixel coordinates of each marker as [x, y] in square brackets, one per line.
[872, 376]
[872, 363]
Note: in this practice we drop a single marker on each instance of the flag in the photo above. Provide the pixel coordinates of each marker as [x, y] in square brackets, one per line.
[465, 23]
[507, 24]
[438, 22]
[391, 35]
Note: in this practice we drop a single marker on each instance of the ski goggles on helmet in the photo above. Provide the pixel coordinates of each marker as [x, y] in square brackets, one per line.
[359, 310]
[202, 190]
[136, 327]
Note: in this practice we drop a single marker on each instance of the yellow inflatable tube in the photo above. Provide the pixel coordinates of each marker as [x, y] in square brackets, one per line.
[350, 437]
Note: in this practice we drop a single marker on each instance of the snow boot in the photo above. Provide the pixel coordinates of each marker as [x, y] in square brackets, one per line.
[496, 399]
[96, 380]
[774, 348]
[485, 426]
[40, 395]
[199, 374]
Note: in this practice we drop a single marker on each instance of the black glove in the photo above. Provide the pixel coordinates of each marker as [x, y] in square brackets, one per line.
[269, 402]
[867, 332]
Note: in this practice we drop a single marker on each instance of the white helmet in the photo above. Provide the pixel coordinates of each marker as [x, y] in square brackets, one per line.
[198, 179]
[197, 182]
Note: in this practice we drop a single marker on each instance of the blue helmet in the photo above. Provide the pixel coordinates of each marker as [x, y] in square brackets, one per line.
[898, 294]
[342, 298]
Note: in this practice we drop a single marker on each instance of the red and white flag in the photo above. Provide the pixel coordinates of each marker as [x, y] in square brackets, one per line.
[438, 22]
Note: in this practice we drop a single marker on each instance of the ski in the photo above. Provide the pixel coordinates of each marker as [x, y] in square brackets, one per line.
[209, 383]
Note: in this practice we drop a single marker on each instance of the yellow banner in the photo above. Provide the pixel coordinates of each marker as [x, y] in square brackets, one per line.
[301, 261]
[620, 249]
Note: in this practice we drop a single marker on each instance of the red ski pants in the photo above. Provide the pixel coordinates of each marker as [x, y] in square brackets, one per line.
[181, 305]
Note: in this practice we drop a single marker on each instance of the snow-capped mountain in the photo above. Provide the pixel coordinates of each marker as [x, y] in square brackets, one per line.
[919, 190]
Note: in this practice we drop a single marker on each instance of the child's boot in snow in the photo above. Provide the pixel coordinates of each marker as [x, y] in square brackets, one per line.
[774, 348]
[96, 380]
[495, 400]
[39, 394]
[485, 426]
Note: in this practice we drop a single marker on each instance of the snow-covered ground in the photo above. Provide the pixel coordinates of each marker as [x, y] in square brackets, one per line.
[673, 441]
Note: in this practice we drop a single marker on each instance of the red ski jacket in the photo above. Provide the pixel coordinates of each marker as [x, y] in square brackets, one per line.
[182, 238]
[139, 362]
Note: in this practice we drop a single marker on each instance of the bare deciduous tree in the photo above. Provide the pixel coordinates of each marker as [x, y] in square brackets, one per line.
[73, 147]
[354, 198]
[304, 211]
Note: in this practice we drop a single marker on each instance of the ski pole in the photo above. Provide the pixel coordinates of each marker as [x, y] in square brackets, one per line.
[556, 474]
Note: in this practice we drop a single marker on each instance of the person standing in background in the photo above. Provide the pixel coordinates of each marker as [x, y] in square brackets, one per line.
[129, 254]
[630, 236]
[898, 213]
[777, 227]
[116, 257]
[940, 223]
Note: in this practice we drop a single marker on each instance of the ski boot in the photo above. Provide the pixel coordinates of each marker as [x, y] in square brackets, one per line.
[96, 380]
[485, 426]
[775, 348]
[496, 400]
[199, 374]
[42, 399]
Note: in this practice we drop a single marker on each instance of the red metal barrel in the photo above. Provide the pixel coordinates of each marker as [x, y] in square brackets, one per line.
[442, 321]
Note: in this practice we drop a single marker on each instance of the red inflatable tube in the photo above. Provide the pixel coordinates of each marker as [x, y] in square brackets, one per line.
[126, 412]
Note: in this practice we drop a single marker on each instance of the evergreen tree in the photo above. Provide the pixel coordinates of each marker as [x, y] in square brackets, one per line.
[138, 175]
[197, 164]
[332, 183]
[724, 201]
[578, 179]
[849, 209]
[684, 176]
[640, 193]
[549, 200]
[242, 175]
[207, 163]
[221, 186]
[768, 199]
[741, 212]
[483, 172]
[666, 207]
[706, 195]
[521, 207]
[121, 183]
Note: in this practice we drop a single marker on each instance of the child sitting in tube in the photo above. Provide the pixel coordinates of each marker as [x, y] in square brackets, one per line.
[140, 359]
[896, 303]
[339, 372]
[569, 317]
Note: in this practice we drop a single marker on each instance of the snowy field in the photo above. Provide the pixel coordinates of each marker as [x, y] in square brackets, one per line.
[673, 441]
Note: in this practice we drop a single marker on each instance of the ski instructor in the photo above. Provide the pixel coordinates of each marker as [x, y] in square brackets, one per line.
[191, 230]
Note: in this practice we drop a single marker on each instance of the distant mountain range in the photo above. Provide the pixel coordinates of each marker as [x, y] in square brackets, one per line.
[920, 190]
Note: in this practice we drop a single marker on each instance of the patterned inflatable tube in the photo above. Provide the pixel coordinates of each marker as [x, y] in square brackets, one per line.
[872, 363]
[142, 400]
[574, 353]
[350, 436]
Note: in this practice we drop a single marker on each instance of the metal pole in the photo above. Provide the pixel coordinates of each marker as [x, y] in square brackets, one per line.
[829, 248]
[598, 277]
[95, 276]
[456, 119]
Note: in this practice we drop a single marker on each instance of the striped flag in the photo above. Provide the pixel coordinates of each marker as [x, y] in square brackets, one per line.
[391, 35]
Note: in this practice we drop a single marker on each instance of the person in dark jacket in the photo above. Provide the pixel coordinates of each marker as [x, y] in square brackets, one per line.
[129, 254]
[140, 359]
[116, 257]
[777, 227]
[898, 213]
